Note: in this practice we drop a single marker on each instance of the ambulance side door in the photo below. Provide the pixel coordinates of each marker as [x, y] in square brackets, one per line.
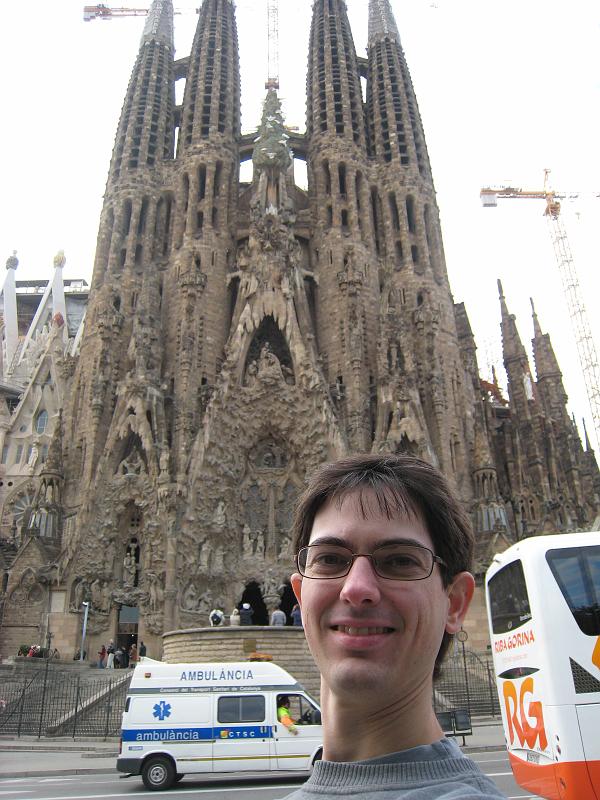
[294, 751]
[242, 734]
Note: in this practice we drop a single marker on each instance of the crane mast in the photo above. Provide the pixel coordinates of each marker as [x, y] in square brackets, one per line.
[586, 348]
[273, 44]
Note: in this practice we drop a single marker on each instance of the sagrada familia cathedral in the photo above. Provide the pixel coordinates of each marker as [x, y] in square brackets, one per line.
[156, 434]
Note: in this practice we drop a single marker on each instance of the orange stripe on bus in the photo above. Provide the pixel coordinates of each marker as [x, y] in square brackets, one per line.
[596, 654]
[578, 780]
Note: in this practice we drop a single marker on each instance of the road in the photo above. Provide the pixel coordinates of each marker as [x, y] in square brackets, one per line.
[112, 787]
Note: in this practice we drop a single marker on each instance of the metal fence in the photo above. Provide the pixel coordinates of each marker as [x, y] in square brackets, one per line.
[55, 701]
[51, 701]
[467, 681]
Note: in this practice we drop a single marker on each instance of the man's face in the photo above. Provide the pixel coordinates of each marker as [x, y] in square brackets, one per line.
[371, 634]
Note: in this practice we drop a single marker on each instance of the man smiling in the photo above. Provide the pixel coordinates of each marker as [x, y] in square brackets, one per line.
[383, 557]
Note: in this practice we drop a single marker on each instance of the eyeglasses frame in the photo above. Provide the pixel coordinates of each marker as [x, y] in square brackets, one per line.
[435, 560]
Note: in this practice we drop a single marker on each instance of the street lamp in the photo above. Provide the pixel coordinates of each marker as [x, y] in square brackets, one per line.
[86, 608]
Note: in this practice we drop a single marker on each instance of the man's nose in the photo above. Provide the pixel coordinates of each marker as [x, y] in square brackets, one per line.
[361, 584]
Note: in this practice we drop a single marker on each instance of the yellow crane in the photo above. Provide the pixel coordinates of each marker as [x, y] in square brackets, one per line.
[586, 349]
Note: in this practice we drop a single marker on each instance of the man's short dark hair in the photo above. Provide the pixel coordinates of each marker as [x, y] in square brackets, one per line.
[402, 485]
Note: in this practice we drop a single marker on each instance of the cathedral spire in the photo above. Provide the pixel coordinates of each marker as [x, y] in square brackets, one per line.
[334, 107]
[537, 329]
[382, 24]
[211, 104]
[159, 23]
[396, 133]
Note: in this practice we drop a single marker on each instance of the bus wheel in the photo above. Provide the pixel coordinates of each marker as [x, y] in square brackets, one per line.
[158, 772]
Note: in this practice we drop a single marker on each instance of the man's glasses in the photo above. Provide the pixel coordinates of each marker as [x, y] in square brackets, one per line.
[398, 562]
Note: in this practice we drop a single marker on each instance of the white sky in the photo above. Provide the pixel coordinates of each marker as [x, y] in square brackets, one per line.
[505, 89]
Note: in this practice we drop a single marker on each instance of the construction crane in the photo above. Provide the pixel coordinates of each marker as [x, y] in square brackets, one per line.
[102, 11]
[273, 44]
[586, 349]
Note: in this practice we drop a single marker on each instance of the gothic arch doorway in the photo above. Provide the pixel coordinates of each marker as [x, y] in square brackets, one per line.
[288, 601]
[253, 595]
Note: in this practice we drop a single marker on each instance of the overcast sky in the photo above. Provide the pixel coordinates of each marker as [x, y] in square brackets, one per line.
[505, 90]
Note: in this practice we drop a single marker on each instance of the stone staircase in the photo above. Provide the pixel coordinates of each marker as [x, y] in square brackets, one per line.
[39, 697]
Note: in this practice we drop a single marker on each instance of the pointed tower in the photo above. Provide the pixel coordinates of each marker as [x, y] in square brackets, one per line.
[204, 234]
[408, 242]
[132, 242]
[343, 242]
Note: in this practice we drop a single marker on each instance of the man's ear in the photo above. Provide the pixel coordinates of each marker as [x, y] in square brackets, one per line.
[296, 581]
[460, 594]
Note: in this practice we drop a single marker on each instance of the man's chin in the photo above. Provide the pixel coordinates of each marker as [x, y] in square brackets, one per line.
[356, 675]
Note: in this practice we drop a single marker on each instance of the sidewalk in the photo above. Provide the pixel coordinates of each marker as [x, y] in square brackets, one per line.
[29, 757]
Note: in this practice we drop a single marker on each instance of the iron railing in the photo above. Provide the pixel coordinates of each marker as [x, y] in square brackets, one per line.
[467, 681]
[51, 701]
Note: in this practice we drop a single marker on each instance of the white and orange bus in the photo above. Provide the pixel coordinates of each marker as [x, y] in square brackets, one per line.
[543, 600]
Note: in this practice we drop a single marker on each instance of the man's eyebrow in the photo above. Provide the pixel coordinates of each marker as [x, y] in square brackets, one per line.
[379, 543]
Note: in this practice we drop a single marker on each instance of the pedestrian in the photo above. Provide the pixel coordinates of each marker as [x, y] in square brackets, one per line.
[119, 658]
[101, 657]
[133, 655]
[234, 618]
[278, 618]
[383, 554]
[216, 617]
[297, 616]
[143, 650]
[110, 655]
[246, 614]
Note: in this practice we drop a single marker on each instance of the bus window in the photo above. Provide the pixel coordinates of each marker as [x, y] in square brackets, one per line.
[577, 572]
[509, 601]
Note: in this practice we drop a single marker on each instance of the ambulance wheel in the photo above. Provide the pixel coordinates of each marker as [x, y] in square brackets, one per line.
[318, 757]
[158, 772]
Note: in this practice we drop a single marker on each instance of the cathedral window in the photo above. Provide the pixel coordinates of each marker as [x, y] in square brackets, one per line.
[126, 224]
[327, 176]
[345, 222]
[138, 254]
[44, 453]
[375, 213]
[143, 216]
[415, 254]
[41, 422]
[342, 179]
[217, 179]
[201, 182]
[410, 214]
[19, 454]
[329, 216]
[5, 454]
[394, 211]
[199, 221]
[399, 254]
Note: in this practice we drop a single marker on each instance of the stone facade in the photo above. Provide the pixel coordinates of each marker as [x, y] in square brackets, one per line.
[239, 335]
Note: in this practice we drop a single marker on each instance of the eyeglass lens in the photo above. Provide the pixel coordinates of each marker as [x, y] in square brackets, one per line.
[402, 562]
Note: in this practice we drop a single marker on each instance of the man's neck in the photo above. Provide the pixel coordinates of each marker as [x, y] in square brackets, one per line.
[358, 730]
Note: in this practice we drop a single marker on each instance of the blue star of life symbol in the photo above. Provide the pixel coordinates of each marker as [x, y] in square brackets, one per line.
[162, 710]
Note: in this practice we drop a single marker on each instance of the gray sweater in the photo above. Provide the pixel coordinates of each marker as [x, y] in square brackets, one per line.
[431, 772]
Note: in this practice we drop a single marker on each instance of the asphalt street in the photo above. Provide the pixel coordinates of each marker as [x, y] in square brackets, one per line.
[110, 786]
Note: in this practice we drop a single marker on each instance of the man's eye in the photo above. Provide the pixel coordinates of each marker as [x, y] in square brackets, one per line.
[329, 559]
[400, 561]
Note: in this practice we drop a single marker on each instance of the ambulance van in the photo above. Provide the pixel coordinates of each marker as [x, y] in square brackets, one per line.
[182, 719]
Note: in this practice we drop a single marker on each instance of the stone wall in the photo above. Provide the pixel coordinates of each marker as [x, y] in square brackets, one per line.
[287, 646]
